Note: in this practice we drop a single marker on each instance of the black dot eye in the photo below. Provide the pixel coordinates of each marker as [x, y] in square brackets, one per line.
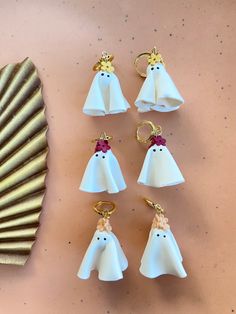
[164, 236]
[154, 150]
[160, 149]
[158, 235]
[108, 75]
[105, 239]
[152, 68]
[102, 74]
[158, 68]
[98, 238]
[103, 157]
[96, 155]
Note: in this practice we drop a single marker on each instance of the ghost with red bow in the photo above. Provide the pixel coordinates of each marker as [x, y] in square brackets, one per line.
[103, 171]
[159, 167]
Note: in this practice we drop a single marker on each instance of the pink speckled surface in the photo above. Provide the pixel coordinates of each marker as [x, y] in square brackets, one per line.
[197, 41]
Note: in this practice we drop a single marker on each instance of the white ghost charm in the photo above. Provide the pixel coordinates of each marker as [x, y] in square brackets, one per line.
[104, 255]
[161, 255]
[159, 167]
[158, 91]
[105, 95]
[103, 171]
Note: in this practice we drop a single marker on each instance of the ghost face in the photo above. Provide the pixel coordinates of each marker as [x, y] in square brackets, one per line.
[103, 173]
[159, 168]
[158, 91]
[156, 71]
[162, 255]
[105, 96]
[105, 255]
[99, 242]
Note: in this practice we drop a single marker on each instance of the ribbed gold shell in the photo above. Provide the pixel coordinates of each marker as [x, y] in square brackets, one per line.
[23, 160]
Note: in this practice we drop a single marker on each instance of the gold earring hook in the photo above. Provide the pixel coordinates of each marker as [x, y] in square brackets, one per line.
[136, 63]
[104, 208]
[155, 130]
[152, 57]
[103, 136]
[156, 206]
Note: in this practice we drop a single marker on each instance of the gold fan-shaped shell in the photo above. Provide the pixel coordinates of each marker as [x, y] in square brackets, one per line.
[23, 160]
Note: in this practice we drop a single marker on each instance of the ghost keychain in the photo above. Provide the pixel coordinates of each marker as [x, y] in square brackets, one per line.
[158, 91]
[104, 253]
[103, 171]
[159, 167]
[105, 95]
[161, 255]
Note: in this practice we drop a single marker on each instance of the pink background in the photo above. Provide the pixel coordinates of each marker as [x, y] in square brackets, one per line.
[197, 40]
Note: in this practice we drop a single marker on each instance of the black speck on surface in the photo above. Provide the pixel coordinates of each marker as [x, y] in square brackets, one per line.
[155, 30]
[170, 34]
[133, 209]
[225, 118]
[81, 300]
[133, 38]
[69, 242]
[203, 157]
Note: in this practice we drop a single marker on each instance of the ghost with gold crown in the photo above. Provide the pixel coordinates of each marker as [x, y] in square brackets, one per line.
[105, 95]
[103, 172]
[158, 91]
[161, 255]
